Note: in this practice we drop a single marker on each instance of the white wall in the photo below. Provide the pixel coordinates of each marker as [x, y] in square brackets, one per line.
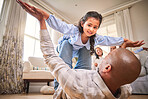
[139, 18]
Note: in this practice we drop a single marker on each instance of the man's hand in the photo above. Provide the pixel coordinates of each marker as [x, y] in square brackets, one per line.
[37, 13]
[145, 48]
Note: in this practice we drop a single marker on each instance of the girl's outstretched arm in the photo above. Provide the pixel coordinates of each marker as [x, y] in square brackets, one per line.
[52, 21]
[37, 13]
[129, 43]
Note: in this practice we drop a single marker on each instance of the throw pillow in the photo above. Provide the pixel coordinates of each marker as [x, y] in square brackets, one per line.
[47, 90]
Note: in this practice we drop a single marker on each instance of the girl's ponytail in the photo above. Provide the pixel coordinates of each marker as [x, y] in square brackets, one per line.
[92, 42]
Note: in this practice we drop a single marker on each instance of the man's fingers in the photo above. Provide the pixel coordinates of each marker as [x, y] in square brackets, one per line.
[145, 48]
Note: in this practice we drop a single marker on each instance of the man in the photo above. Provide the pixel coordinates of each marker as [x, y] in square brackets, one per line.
[118, 68]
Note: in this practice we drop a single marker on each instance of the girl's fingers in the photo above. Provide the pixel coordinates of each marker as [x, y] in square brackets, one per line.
[35, 10]
[20, 2]
[141, 42]
[138, 43]
[26, 6]
[135, 42]
[29, 8]
[17, 1]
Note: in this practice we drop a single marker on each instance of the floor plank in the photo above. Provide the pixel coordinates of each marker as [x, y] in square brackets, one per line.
[26, 96]
[40, 96]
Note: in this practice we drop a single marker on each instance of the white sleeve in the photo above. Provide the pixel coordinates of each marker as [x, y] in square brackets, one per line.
[60, 70]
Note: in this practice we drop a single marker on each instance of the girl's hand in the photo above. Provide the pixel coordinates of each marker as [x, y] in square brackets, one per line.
[37, 13]
[96, 64]
[130, 43]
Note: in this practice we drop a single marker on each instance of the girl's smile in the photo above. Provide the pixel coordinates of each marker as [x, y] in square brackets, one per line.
[90, 27]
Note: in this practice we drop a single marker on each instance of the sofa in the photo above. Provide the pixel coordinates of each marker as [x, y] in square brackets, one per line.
[35, 70]
[140, 85]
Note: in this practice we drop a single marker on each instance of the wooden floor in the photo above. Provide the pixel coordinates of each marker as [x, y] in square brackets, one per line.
[40, 96]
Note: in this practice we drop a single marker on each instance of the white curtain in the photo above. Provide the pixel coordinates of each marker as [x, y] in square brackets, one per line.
[123, 24]
[11, 52]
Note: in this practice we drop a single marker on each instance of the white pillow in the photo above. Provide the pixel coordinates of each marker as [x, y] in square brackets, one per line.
[27, 66]
[47, 90]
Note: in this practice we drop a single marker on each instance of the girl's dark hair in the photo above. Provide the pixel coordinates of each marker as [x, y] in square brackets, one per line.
[97, 56]
[95, 15]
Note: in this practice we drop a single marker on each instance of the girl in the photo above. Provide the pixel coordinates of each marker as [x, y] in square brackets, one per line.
[79, 40]
[98, 58]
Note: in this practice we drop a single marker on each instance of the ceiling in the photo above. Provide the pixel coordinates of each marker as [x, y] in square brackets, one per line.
[73, 10]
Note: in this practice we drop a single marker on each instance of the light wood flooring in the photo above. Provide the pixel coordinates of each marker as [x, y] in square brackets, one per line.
[40, 96]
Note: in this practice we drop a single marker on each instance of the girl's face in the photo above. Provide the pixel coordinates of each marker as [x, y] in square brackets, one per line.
[91, 26]
[99, 52]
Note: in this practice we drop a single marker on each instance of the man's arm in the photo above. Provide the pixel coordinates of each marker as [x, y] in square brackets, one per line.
[60, 70]
[57, 66]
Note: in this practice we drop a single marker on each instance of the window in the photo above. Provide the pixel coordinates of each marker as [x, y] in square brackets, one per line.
[1, 5]
[2, 20]
[31, 38]
[108, 28]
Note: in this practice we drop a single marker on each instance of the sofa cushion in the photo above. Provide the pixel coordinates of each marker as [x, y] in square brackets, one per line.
[37, 62]
[38, 74]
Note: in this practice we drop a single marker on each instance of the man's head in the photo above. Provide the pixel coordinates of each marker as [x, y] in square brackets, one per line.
[120, 66]
[112, 48]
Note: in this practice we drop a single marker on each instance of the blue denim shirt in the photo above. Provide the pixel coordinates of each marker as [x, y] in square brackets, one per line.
[138, 50]
[71, 32]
